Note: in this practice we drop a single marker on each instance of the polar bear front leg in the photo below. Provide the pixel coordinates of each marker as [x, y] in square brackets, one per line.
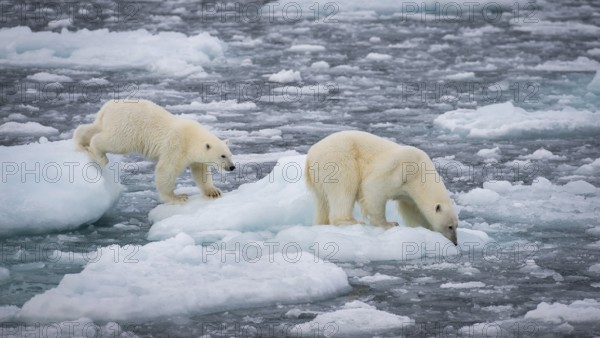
[372, 206]
[166, 175]
[203, 178]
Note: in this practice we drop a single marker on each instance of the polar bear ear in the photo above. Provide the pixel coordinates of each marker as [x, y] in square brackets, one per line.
[226, 141]
[207, 146]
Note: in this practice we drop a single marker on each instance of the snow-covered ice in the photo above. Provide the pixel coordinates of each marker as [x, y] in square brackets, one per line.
[167, 53]
[51, 186]
[279, 209]
[505, 120]
[175, 277]
[354, 319]
[586, 310]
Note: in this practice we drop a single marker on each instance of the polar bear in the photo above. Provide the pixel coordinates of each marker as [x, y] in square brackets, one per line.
[351, 166]
[175, 143]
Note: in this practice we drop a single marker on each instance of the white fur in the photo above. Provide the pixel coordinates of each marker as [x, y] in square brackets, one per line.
[146, 128]
[352, 166]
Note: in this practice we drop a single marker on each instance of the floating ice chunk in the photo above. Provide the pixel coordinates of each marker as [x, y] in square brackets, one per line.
[493, 153]
[535, 270]
[50, 186]
[505, 120]
[176, 277]
[378, 57]
[561, 28]
[7, 313]
[307, 48]
[320, 65]
[580, 188]
[545, 203]
[229, 105]
[378, 277]
[49, 77]
[286, 76]
[589, 169]
[74, 328]
[580, 64]
[354, 319]
[579, 311]
[109, 49]
[460, 76]
[374, 39]
[542, 154]
[26, 129]
[595, 268]
[466, 285]
[479, 196]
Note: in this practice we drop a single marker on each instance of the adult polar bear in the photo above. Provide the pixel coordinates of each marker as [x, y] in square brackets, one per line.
[175, 143]
[352, 165]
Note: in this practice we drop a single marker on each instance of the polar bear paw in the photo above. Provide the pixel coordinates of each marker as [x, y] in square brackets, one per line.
[212, 192]
[182, 198]
[388, 225]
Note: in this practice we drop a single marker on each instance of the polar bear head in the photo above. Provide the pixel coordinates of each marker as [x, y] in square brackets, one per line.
[424, 200]
[217, 152]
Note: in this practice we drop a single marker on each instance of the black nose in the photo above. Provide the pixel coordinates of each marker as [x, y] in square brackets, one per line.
[231, 168]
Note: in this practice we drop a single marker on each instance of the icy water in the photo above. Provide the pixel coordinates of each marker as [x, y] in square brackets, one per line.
[376, 67]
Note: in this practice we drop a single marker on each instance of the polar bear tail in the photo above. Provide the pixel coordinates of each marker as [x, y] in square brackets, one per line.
[83, 134]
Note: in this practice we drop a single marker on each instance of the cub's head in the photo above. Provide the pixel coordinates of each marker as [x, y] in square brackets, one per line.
[218, 152]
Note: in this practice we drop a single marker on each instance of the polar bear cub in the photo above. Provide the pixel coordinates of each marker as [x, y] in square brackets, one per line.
[351, 166]
[175, 143]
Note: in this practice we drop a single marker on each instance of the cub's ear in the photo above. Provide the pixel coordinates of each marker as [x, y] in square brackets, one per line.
[226, 141]
[207, 146]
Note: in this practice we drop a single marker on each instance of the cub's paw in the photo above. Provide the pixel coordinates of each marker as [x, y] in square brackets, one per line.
[212, 192]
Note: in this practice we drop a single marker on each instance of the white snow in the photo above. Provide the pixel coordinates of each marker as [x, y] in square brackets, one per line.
[49, 77]
[279, 209]
[50, 186]
[579, 311]
[286, 76]
[176, 277]
[466, 285]
[505, 120]
[167, 53]
[542, 154]
[306, 48]
[542, 203]
[354, 319]
[26, 129]
[378, 57]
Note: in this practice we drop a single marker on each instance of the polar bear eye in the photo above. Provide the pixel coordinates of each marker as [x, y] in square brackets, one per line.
[451, 227]
[438, 208]
[222, 156]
